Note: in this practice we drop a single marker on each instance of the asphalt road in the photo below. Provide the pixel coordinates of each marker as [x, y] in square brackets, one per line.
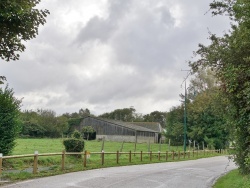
[200, 173]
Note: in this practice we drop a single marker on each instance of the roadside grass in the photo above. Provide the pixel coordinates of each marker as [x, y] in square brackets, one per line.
[21, 168]
[233, 179]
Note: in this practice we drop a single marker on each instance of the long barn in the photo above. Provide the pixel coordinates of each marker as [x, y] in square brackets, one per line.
[113, 130]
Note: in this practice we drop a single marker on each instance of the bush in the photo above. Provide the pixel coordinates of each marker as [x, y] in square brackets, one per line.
[73, 145]
[76, 134]
[9, 120]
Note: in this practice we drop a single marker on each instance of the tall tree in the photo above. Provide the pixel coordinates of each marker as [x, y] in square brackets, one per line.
[30, 126]
[229, 57]
[156, 116]
[19, 21]
[9, 122]
[125, 114]
[174, 125]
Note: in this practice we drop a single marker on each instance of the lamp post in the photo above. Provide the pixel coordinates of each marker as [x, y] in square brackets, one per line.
[185, 119]
[185, 113]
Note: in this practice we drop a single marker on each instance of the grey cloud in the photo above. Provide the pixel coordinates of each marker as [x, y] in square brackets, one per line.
[102, 29]
[146, 52]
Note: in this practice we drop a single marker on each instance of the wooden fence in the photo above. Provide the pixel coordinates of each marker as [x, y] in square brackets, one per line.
[168, 154]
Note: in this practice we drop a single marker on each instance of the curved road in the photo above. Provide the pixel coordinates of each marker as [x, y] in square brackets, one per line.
[191, 174]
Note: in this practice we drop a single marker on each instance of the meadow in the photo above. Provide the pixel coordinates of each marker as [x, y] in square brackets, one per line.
[21, 168]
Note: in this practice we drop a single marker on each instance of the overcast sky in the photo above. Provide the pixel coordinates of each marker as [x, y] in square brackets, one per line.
[110, 54]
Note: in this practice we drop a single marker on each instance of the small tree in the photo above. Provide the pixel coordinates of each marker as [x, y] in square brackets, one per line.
[9, 123]
[89, 133]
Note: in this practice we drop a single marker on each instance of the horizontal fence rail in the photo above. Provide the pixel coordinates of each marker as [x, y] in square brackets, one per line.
[174, 155]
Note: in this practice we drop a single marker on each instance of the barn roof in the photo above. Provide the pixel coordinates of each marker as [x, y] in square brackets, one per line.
[150, 125]
[124, 124]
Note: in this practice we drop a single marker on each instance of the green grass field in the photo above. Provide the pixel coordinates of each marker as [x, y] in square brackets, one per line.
[45, 145]
[21, 168]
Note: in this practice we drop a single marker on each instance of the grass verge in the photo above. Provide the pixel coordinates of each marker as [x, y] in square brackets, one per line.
[233, 179]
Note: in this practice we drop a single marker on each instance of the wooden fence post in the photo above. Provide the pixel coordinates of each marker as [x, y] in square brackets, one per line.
[1, 163]
[150, 155]
[135, 148]
[166, 155]
[35, 165]
[85, 158]
[130, 156]
[63, 159]
[141, 155]
[102, 157]
[159, 155]
[173, 155]
[117, 157]
[178, 155]
[193, 153]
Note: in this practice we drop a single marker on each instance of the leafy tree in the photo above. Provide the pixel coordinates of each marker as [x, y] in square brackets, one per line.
[229, 57]
[85, 112]
[47, 119]
[125, 114]
[156, 116]
[30, 125]
[62, 125]
[9, 122]
[2, 79]
[19, 21]
[89, 133]
[207, 119]
[174, 125]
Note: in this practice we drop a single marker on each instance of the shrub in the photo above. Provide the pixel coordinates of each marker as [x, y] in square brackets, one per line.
[73, 145]
[76, 134]
[9, 120]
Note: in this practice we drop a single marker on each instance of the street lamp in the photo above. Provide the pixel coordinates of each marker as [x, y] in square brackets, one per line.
[185, 113]
[185, 119]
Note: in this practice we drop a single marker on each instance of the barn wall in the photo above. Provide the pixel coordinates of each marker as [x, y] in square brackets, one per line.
[106, 128]
[118, 138]
[113, 132]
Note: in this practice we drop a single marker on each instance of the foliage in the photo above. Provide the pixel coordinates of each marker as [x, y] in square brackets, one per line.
[43, 123]
[174, 125]
[2, 79]
[207, 119]
[19, 22]
[89, 133]
[30, 126]
[73, 123]
[125, 114]
[156, 116]
[76, 134]
[75, 143]
[9, 122]
[229, 57]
